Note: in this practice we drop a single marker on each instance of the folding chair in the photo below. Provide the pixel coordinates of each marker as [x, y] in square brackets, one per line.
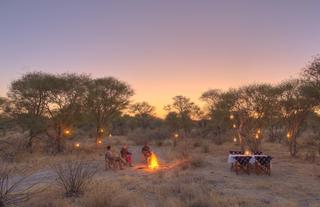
[263, 164]
[242, 164]
[234, 153]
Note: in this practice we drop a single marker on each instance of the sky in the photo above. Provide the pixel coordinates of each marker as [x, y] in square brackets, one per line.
[162, 48]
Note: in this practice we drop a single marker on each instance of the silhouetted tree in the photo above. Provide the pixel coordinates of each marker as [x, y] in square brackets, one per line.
[143, 112]
[67, 94]
[106, 98]
[29, 97]
[186, 111]
[295, 107]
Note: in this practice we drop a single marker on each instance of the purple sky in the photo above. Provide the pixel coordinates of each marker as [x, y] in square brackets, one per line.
[162, 48]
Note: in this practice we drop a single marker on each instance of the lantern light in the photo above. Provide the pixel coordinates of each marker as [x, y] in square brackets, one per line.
[77, 145]
[67, 132]
[288, 135]
[247, 152]
[259, 131]
[234, 126]
[110, 135]
[99, 142]
[257, 136]
[101, 130]
[231, 116]
[234, 139]
[176, 135]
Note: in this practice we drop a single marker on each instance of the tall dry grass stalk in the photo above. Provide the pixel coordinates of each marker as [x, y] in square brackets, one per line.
[74, 176]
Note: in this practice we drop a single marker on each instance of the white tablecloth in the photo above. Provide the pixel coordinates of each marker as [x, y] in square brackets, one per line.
[252, 160]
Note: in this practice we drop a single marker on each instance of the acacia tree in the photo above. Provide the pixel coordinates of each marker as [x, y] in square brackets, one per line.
[311, 76]
[67, 94]
[4, 117]
[295, 107]
[217, 111]
[249, 110]
[29, 96]
[186, 111]
[143, 113]
[106, 98]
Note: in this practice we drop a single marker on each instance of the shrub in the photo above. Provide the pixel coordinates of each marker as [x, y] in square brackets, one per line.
[11, 191]
[74, 176]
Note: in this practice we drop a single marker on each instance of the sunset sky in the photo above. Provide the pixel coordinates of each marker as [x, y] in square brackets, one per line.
[161, 48]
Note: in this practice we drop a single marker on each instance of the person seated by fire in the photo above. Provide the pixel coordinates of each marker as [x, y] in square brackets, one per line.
[112, 161]
[146, 151]
[126, 155]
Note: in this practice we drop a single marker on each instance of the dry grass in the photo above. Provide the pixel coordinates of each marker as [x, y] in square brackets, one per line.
[202, 180]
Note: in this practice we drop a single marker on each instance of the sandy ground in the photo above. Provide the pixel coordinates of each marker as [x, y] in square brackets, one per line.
[293, 182]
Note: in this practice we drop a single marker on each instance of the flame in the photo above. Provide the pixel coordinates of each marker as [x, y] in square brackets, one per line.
[153, 162]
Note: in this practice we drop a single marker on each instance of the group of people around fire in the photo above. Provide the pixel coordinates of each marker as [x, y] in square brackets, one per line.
[114, 161]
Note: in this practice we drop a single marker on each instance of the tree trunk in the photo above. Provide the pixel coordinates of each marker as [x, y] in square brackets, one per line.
[59, 138]
[293, 146]
[99, 134]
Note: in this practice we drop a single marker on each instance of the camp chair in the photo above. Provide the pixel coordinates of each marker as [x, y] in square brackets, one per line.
[109, 163]
[113, 163]
[263, 164]
[242, 164]
[258, 153]
[146, 155]
[234, 153]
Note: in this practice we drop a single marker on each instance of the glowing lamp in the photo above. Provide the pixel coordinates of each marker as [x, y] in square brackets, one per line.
[67, 132]
[259, 131]
[288, 135]
[99, 142]
[110, 135]
[234, 126]
[257, 136]
[234, 139]
[231, 116]
[77, 145]
[176, 135]
[101, 130]
[247, 152]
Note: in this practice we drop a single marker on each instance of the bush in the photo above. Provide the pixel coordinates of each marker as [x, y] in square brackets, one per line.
[74, 176]
[11, 192]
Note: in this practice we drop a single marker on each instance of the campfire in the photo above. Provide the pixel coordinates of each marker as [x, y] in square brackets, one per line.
[153, 162]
